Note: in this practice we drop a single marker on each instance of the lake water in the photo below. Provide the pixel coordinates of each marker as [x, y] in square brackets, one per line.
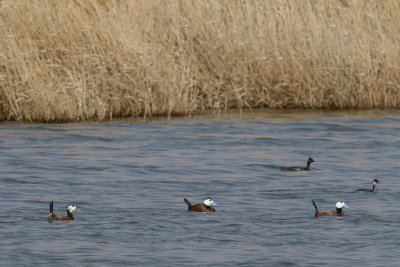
[129, 178]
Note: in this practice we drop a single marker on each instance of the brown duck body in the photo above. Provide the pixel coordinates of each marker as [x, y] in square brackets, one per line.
[59, 217]
[337, 212]
[200, 207]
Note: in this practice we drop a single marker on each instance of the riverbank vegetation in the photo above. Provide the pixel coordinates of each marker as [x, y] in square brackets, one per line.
[73, 60]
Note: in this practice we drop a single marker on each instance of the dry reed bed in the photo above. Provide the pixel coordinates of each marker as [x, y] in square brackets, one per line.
[98, 59]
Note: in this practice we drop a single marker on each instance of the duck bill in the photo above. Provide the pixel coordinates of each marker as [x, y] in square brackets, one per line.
[213, 203]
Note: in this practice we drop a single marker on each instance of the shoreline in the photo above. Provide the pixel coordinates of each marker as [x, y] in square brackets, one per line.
[261, 113]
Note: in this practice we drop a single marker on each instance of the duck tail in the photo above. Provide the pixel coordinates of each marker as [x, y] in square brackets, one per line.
[188, 203]
[315, 205]
[51, 206]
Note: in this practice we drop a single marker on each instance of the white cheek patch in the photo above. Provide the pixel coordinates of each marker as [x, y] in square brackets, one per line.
[71, 208]
[341, 205]
[209, 202]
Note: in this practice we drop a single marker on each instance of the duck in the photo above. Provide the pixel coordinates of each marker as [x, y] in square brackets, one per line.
[207, 205]
[59, 217]
[298, 168]
[338, 212]
[375, 183]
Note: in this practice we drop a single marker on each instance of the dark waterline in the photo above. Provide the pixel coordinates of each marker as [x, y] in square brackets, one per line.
[129, 178]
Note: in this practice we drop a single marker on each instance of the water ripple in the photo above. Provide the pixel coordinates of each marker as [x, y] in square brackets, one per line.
[129, 179]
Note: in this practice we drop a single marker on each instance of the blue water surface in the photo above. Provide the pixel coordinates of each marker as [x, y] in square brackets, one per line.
[128, 179]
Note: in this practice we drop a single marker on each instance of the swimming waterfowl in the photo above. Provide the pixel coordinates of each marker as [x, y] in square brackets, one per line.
[375, 183]
[206, 206]
[338, 212]
[298, 168]
[59, 217]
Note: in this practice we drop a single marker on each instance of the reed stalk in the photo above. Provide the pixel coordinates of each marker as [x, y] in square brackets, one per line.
[74, 60]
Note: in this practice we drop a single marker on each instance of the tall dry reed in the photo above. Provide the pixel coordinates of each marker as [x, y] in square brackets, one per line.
[73, 60]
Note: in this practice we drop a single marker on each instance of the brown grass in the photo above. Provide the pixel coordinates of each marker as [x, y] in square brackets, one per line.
[73, 60]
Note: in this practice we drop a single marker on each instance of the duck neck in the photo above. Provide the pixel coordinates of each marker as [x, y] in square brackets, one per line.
[339, 212]
[373, 187]
[210, 208]
[70, 215]
[308, 165]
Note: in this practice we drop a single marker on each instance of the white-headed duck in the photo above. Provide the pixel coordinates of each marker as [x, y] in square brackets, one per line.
[298, 168]
[206, 206]
[338, 212]
[375, 183]
[59, 217]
